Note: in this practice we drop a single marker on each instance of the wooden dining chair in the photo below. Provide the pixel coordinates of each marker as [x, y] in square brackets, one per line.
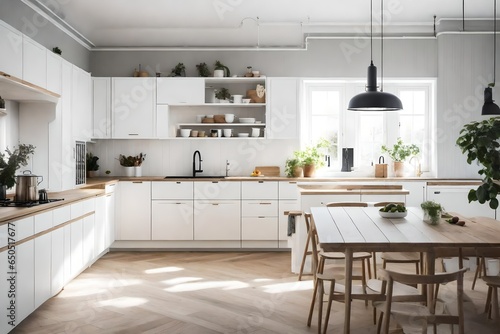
[401, 257]
[483, 253]
[410, 312]
[491, 307]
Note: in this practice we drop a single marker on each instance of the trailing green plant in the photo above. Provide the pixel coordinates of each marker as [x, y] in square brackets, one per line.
[400, 151]
[313, 154]
[12, 161]
[220, 66]
[222, 94]
[91, 162]
[178, 71]
[203, 70]
[481, 142]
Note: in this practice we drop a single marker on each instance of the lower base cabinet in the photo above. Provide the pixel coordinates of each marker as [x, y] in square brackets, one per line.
[25, 280]
[259, 228]
[217, 220]
[172, 220]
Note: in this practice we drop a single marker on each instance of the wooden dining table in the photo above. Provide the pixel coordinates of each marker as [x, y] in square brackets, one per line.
[353, 229]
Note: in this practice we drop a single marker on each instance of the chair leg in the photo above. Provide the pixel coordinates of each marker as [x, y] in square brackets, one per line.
[417, 265]
[476, 274]
[494, 301]
[329, 306]
[374, 256]
[487, 306]
[311, 308]
[320, 303]
[363, 278]
[306, 252]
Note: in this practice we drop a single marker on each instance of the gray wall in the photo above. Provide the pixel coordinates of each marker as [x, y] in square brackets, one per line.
[27, 21]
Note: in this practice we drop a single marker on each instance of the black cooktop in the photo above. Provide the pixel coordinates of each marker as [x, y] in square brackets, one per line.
[27, 204]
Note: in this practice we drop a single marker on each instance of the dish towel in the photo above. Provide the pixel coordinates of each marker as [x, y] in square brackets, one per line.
[291, 225]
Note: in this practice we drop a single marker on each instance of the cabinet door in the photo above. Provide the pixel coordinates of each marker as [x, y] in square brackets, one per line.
[180, 91]
[110, 215]
[288, 190]
[101, 111]
[57, 261]
[67, 168]
[383, 198]
[162, 115]
[134, 220]
[88, 240]
[217, 220]
[76, 247]
[259, 190]
[282, 119]
[417, 192]
[67, 254]
[172, 220]
[172, 190]
[4, 290]
[81, 105]
[11, 44]
[54, 72]
[133, 107]
[259, 228]
[34, 62]
[25, 284]
[455, 199]
[43, 288]
[262, 208]
[100, 225]
[206, 190]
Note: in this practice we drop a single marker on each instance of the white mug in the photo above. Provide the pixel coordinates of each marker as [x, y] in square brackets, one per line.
[255, 132]
[227, 132]
[493, 267]
[237, 98]
[229, 118]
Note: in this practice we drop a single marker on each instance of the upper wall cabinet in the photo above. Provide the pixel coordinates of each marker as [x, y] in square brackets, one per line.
[282, 116]
[180, 91]
[133, 107]
[54, 72]
[101, 119]
[81, 106]
[11, 46]
[34, 63]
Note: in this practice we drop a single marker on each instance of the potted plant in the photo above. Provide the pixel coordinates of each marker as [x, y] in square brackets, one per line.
[432, 212]
[203, 70]
[399, 153]
[223, 95]
[481, 142]
[178, 71]
[10, 162]
[221, 70]
[128, 164]
[312, 157]
[91, 164]
[293, 167]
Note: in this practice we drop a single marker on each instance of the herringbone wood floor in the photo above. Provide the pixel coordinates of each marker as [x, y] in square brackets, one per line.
[198, 293]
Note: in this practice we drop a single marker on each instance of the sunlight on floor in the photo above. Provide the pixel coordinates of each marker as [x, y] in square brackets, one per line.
[224, 285]
[163, 270]
[288, 287]
[123, 302]
[258, 280]
[180, 280]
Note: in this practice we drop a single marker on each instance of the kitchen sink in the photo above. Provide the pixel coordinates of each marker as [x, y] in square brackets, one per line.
[196, 177]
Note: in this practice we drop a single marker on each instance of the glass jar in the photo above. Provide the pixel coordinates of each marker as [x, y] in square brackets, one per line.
[432, 218]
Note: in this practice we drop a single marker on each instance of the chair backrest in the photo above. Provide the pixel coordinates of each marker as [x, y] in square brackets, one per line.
[429, 281]
[387, 203]
[339, 204]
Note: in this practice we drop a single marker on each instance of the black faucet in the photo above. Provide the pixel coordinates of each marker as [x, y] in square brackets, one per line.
[199, 170]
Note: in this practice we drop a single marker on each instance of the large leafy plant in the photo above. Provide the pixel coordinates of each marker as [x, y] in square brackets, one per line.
[313, 154]
[10, 161]
[480, 141]
[400, 151]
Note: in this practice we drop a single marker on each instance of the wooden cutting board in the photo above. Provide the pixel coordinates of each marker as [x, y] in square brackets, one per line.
[269, 170]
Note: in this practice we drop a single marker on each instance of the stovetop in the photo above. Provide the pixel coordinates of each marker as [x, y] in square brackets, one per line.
[9, 202]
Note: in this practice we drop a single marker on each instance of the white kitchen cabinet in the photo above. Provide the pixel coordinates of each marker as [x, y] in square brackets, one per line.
[259, 228]
[43, 247]
[417, 191]
[76, 252]
[180, 91]
[101, 109]
[216, 190]
[67, 254]
[133, 107]
[81, 105]
[133, 221]
[88, 240]
[54, 72]
[288, 190]
[100, 225]
[259, 190]
[282, 108]
[110, 214]
[162, 121]
[4, 290]
[34, 62]
[66, 171]
[217, 220]
[172, 220]
[11, 44]
[455, 199]
[172, 190]
[60, 216]
[259, 208]
[25, 280]
[383, 198]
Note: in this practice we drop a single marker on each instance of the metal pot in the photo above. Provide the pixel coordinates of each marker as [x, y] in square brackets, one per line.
[26, 187]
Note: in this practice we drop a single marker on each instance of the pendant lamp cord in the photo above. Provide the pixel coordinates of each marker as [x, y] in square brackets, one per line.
[371, 31]
[463, 15]
[494, 40]
[382, 45]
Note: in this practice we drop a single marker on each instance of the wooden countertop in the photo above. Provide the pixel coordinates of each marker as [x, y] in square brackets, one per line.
[352, 189]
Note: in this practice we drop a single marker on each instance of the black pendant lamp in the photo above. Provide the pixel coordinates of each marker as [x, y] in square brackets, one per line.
[373, 99]
[489, 107]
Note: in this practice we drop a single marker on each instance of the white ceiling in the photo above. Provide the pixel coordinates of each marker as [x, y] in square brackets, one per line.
[245, 23]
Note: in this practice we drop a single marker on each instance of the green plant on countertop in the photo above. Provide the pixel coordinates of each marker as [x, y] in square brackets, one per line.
[400, 151]
[131, 161]
[293, 167]
[178, 71]
[433, 210]
[203, 70]
[91, 162]
[313, 154]
[13, 160]
[220, 66]
[481, 142]
[222, 94]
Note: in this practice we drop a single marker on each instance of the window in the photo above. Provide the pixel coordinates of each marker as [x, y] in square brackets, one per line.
[327, 116]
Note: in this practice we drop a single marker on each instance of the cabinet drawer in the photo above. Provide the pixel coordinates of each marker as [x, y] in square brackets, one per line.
[24, 228]
[172, 220]
[259, 190]
[172, 190]
[217, 220]
[4, 239]
[264, 208]
[288, 190]
[43, 221]
[206, 190]
[62, 215]
[259, 228]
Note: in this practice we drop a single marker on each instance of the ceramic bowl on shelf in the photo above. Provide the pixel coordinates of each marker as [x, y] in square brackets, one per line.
[185, 132]
[247, 120]
[246, 101]
[243, 134]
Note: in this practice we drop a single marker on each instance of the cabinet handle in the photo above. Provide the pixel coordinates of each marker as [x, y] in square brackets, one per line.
[109, 195]
[215, 181]
[133, 134]
[215, 204]
[261, 181]
[292, 182]
[111, 185]
[178, 182]
[437, 192]
[265, 203]
[136, 181]
[260, 217]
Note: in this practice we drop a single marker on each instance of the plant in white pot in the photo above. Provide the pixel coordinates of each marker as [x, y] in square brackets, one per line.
[10, 162]
[222, 94]
[221, 70]
[399, 153]
[91, 165]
